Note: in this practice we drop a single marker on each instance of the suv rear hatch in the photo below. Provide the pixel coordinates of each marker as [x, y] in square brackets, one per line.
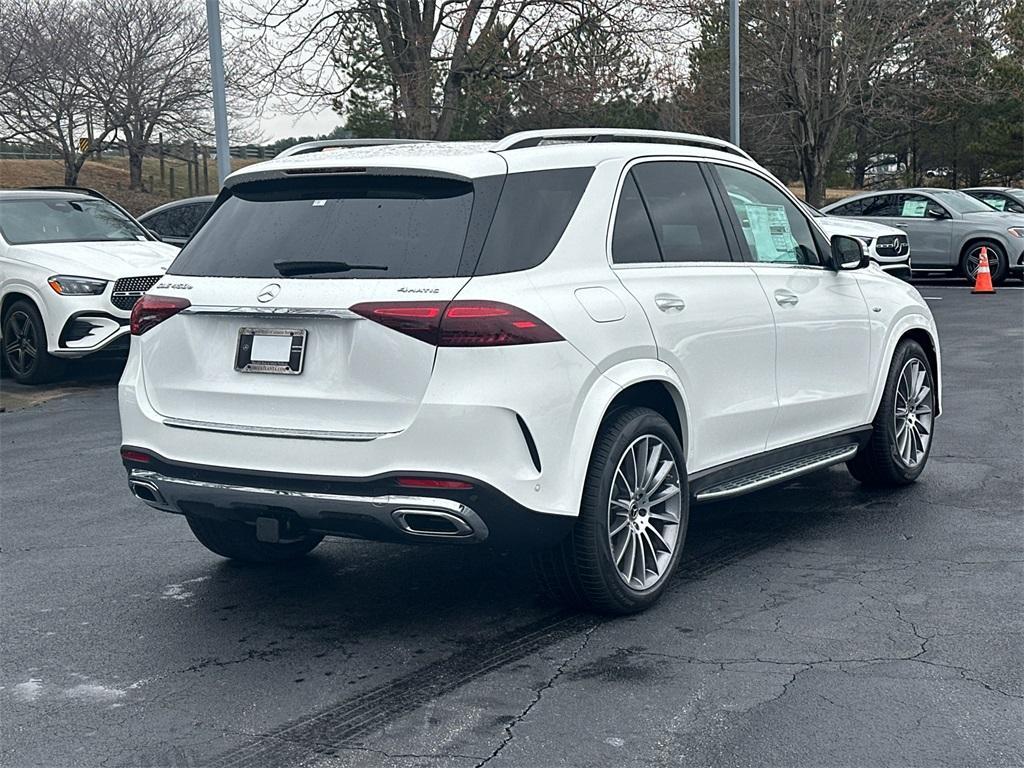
[304, 261]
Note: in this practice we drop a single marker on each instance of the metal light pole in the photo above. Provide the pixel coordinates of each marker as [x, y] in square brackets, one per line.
[220, 106]
[734, 71]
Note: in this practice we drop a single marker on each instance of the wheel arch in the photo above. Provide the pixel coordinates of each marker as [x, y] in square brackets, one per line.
[931, 349]
[911, 328]
[16, 295]
[648, 383]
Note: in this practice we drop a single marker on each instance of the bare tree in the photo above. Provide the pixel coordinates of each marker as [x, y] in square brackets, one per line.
[822, 60]
[429, 49]
[154, 70]
[46, 95]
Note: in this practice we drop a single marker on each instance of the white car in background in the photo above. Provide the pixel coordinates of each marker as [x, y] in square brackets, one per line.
[72, 265]
[888, 247]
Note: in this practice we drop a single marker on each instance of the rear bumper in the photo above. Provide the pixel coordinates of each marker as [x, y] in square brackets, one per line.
[520, 440]
[371, 509]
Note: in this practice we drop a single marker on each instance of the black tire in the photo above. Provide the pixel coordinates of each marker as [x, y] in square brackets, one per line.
[237, 540]
[581, 570]
[998, 264]
[24, 353]
[879, 462]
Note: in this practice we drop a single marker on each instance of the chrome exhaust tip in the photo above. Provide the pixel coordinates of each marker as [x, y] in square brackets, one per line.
[432, 522]
[147, 492]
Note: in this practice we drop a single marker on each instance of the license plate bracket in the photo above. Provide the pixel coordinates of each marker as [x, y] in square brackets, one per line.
[270, 350]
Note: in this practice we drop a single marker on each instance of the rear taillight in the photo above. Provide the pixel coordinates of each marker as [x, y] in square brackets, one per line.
[460, 323]
[150, 311]
[420, 320]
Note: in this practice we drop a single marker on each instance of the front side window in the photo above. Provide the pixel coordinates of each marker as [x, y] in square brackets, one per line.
[42, 220]
[998, 202]
[915, 206]
[775, 229]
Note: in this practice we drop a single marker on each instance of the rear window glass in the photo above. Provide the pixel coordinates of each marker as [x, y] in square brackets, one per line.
[401, 226]
[533, 212]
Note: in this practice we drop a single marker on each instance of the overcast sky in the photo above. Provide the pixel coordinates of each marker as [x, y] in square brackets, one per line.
[275, 126]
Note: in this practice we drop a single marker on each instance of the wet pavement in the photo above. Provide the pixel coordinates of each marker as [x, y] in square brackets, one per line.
[814, 624]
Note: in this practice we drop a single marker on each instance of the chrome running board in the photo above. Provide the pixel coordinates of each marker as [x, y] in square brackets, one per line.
[762, 478]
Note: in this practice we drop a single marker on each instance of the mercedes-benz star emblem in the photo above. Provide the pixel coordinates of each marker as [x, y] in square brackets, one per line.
[268, 293]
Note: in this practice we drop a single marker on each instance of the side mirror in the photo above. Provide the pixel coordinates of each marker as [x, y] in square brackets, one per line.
[937, 213]
[849, 253]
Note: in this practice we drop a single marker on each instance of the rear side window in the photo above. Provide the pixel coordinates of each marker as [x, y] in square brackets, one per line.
[685, 219]
[852, 208]
[883, 205]
[533, 212]
[633, 237]
[403, 226]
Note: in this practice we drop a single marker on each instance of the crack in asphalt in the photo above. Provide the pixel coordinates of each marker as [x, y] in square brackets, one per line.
[538, 695]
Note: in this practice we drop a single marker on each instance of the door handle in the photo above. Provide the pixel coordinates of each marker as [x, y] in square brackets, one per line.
[666, 302]
[786, 298]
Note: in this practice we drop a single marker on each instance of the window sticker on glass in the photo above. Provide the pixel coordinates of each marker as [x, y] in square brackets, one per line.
[768, 232]
[914, 208]
[996, 202]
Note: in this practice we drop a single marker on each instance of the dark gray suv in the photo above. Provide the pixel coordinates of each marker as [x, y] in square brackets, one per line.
[947, 229]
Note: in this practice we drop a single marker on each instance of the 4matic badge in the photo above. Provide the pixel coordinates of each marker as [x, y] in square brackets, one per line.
[419, 290]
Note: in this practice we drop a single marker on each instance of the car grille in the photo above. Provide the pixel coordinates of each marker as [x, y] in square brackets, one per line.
[892, 245]
[128, 289]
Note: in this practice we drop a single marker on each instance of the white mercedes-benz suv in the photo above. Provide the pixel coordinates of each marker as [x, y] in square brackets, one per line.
[560, 339]
[72, 265]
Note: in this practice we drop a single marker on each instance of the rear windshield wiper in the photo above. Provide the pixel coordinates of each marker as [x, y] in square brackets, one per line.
[290, 268]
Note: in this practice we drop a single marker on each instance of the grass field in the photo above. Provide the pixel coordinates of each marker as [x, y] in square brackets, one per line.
[110, 176]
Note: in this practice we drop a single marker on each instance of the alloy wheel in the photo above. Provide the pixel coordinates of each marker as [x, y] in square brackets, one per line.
[644, 510]
[913, 413]
[974, 259]
[20, 343]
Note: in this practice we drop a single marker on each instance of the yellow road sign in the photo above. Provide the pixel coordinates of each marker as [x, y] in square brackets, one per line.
[83, 145]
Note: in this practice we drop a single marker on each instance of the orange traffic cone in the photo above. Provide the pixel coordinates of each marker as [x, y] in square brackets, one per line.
[983, 278]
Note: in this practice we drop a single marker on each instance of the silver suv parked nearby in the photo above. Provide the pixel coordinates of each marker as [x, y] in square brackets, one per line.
[947, 229]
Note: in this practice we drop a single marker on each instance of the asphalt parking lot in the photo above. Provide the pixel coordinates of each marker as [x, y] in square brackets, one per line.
[816, 624]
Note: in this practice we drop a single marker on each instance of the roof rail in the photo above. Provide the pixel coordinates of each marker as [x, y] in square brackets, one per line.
[309, 147]
[63, 188]
[590, 135]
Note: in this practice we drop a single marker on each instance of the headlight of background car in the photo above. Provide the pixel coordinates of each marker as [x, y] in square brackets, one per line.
[1016, 231]
[66, 285]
